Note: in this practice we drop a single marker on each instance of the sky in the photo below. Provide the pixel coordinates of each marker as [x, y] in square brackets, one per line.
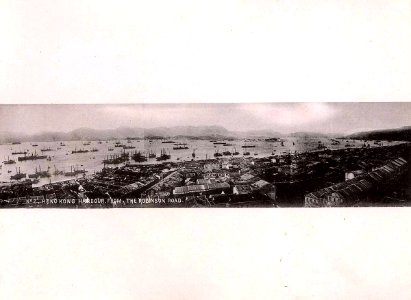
[76, 51]
[281, 117]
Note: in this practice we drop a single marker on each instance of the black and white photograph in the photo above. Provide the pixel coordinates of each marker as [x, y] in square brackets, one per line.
[219, 149]
[206, 155]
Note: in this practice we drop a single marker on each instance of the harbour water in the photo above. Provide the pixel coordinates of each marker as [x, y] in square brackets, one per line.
[60, 158]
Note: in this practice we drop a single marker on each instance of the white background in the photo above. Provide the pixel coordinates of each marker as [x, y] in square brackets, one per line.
[211, 51]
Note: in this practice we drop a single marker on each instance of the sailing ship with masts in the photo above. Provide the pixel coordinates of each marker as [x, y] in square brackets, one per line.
[163, 155]
[18, 175]
[138, 157]
[116, 159]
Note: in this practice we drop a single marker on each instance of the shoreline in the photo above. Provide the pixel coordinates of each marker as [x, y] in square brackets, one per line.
[215, 159]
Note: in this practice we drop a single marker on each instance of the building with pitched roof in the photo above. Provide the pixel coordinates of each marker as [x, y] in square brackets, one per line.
[356, 188]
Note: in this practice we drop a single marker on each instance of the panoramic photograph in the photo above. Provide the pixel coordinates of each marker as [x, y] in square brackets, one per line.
[205, 155]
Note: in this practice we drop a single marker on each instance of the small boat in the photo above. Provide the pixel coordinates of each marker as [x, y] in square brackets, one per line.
[218, 154]
[180, 147]
[79, 151]
[9, 161]
[19, 152]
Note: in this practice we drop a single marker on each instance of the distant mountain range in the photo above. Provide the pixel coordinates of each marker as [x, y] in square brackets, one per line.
[398, 134]
[190, 132]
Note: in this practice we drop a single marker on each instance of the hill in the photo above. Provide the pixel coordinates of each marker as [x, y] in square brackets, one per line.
[399, 134]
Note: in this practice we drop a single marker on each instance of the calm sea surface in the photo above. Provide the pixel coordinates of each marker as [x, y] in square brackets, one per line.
[62, 159]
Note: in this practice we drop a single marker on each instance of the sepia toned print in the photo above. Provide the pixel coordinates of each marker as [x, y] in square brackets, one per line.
[205, 155]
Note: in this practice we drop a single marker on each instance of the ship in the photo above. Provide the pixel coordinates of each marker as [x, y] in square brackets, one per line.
[74, 172]
[139, 157]
[46, 149]
[226, 153]
[128, 147]
[321, 145]
[18, 175]
[168, 142]
[246, 153]
[235, 152]
[248, 146]
[19, 152]
[116, 159]
[16, 143]
[180, 147]
[57, 172]
[79, 151]
[39, 173]
[110, 149]
[33, 156]
[62, 144]
[118, 145]
[34, 145]
[94, 150]
[163, 155]
[151, 154]
[218, 143]
[9, 161]
[86, 144]
[217, 154]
